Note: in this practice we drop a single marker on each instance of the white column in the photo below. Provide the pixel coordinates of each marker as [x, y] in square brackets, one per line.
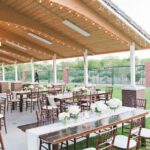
[16, 71]
[54, 69]
[3, 72]
[86, 67]
[132, 64]
[32, 70]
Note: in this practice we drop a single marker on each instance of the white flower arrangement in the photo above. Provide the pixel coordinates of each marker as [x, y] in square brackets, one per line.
[80, 89]
[64, 116]
[40, 86]
[31, 87]
[74, 111]
[114, 103]
[98, 106]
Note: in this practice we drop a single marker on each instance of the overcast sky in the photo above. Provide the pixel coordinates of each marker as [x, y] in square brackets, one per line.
[139, 11]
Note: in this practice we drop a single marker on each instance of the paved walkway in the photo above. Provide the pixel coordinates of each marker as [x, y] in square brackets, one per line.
[15, 139]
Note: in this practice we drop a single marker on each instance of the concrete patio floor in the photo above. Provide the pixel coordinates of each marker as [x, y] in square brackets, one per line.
[15, 139]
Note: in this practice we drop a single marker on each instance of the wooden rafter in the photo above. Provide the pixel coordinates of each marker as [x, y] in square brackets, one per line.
[10, 57]
[10, 15]
[18, 52]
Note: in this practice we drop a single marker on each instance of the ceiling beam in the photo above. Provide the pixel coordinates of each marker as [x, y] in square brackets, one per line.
[18, 52]
[23, 41]
[10, 15]
[10, 57]
[5, 61]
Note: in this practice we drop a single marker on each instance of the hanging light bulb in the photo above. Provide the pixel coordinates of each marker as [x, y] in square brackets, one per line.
[0, 43]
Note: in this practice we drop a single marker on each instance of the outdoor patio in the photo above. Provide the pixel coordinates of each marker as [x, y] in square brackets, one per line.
[79, 105]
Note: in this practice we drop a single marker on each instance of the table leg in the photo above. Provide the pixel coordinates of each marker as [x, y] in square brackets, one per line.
[61, 108]
[55, 147]
[21, 103]
[143, 141]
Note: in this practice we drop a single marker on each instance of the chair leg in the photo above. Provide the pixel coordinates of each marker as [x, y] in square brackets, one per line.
[40, 148]
[74, 144]
[26, 105]
[67, 145]
[87, 141]
[49, 146]
[5, 126]
[122, 128]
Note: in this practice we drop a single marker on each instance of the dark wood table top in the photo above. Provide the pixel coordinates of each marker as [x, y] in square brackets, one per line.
[86, 128]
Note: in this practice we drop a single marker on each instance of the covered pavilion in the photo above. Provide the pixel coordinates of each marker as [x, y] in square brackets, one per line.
[37, 30]
[40, 30]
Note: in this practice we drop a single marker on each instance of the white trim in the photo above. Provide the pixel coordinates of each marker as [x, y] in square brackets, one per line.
[124, 20]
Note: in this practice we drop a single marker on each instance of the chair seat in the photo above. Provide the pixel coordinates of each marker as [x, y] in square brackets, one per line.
[90, 148]
[145, 133]
[85, 104]
[1, 115]
[33, 100]
[14, 100]
[49, 107]
[121, 142]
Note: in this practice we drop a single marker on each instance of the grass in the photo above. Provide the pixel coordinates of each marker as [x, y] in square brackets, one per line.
[117, 94]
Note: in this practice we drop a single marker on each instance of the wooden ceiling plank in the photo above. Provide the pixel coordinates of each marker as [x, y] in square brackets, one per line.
[10, 15]
[11, 57]
[25, 42]
[18, 52]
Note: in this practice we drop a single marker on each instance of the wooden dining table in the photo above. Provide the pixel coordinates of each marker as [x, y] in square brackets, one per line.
[61, 98]
[57, 133]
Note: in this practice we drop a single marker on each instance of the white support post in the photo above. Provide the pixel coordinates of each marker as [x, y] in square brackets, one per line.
[132, 64]
[54, 69]
[3, 72]
[16, 71]
[86, 67]
[32, 70]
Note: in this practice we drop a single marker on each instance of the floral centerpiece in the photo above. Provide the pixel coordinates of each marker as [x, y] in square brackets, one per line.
[74, 111]
[114, 103]
[64, 117]
[80, 89]
[31, 87]
[98, 106]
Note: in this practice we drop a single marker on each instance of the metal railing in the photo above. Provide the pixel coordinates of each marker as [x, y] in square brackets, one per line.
[109, 75]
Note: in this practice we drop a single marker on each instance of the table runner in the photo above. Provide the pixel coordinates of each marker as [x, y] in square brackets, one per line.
[32, 135]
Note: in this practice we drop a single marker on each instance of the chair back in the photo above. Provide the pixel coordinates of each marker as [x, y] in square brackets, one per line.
[43, 101]
[3, 106]
[45, 116]
[141, 103]
[51, 101]
[135, 130]
[106, 136]
[110, 91]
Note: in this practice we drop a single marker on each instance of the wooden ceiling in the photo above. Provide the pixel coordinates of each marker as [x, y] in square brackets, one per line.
[44, 18]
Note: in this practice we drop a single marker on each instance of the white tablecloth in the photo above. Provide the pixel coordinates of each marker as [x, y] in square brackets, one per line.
[33, 134]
